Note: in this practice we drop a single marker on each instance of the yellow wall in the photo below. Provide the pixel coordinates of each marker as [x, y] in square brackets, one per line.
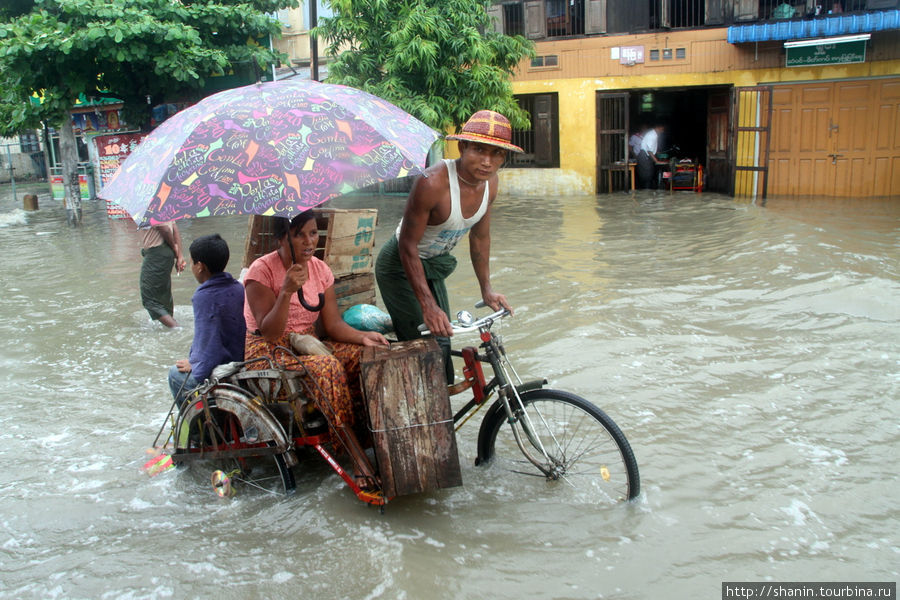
[577, 112]
[577, 143]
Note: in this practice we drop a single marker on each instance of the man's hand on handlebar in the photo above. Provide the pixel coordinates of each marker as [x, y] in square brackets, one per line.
[468, 323]
[436, 322]
[495, 301]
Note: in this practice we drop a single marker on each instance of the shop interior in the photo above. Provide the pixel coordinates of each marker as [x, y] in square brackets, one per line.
[685, 113]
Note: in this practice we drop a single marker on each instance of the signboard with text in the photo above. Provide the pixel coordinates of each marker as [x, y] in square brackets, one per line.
[111, 151]
[840, 53]
[631, 55]
[58, 191]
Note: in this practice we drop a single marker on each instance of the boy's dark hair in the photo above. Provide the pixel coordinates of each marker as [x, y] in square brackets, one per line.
[212, 251]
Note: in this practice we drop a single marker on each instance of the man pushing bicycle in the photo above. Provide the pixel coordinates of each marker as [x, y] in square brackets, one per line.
[452, 198]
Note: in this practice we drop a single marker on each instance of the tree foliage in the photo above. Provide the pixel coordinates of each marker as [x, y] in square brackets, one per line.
[439, 60]
[14, 8]
[139, 51]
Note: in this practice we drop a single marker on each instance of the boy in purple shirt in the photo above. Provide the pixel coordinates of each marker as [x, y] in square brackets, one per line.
[219, 326]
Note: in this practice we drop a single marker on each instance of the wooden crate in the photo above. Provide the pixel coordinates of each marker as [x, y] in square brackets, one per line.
[356, 288]
[347, 239]
[410, 417]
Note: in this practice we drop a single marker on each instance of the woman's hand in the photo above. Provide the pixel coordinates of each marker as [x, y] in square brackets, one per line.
[295, 277]
[183, 365]
[373, 338]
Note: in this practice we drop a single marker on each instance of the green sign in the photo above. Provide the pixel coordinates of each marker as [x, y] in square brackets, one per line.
[840, 53]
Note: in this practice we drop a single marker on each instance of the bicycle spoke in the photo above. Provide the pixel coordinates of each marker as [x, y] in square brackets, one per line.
[568, 439]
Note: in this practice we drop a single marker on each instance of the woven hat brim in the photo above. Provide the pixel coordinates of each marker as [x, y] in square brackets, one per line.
[484, 139]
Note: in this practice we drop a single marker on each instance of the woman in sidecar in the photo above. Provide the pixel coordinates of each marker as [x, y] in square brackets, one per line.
[287, 292]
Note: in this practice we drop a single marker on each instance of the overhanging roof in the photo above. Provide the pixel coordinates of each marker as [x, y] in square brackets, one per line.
[813, 28]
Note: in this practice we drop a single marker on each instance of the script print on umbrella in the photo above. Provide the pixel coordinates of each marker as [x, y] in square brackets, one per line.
[270, 149]
[270, 162]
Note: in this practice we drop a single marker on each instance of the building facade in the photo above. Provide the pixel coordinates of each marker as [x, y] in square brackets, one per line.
[305, 59]
[768, 97]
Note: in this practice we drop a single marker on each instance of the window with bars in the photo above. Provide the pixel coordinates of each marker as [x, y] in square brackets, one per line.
[567, 17]
[677, 13]
[29, 143]
[788, 9]
[541, 142]
[564, 17]
[513, 19]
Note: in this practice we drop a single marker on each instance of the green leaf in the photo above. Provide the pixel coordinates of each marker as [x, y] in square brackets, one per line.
[128, 48]
[426, 56]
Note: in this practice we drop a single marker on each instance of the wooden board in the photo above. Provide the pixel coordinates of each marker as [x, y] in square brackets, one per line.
[356, 288]
[347, 239]
[410, 417]
[361, 262]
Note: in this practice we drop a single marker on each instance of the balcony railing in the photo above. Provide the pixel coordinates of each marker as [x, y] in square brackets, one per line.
[771, 10]
[686, 13]
[566, 18]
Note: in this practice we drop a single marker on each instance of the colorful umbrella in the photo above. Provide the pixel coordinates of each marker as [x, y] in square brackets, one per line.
[269, 149]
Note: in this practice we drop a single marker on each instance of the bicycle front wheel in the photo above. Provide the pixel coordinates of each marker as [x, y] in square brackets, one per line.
[574, 442]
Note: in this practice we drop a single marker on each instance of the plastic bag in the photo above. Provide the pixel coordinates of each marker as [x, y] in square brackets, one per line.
[368, 317]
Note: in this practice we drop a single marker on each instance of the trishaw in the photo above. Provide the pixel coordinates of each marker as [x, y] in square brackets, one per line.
[247, 426]
[286, 146]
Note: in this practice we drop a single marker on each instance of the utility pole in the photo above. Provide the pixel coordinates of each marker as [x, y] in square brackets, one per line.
[313, 43]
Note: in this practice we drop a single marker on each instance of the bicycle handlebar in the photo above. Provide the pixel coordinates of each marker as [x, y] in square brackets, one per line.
[475, 325]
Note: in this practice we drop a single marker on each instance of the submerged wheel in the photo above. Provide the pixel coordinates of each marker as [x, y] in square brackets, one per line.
[219, 448]
[583, 446]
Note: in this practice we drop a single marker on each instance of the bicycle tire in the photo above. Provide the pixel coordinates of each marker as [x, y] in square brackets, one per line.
[225, 436]
[586, 447]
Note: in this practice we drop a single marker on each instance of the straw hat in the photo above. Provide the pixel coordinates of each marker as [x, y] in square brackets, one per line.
[487, 127]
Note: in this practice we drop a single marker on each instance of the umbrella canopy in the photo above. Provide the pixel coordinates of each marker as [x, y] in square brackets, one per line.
[269, 149]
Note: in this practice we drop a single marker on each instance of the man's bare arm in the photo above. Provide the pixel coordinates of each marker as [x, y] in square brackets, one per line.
[173, 239]
[480, 254]
[425, 195]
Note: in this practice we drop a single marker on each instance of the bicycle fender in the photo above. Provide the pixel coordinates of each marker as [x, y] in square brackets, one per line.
[250, 411]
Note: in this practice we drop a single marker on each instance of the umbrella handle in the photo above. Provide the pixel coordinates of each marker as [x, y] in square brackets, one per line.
[309, 307]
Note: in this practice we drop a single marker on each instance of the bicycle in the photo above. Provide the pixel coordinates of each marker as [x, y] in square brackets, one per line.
[251, 423]
[564, 436]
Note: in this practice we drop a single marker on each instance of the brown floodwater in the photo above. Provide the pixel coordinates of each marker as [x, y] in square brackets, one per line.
[751, 354]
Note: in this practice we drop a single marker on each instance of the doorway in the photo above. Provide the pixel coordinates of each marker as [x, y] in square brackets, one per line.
[696, 121]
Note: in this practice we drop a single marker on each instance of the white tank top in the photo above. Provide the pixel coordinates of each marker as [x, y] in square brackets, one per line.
[442, 238]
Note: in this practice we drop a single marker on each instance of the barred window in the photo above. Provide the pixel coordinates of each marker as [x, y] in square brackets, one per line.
[29, 143]
[541, 142]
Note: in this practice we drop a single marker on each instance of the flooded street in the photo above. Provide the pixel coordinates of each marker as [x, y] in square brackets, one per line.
[751, 355]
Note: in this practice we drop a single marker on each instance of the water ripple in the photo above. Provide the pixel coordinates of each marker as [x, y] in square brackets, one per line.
[749, 353]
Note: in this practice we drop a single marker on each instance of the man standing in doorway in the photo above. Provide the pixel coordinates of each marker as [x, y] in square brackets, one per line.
[634, 142]
[647, 159]
[451, 198]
